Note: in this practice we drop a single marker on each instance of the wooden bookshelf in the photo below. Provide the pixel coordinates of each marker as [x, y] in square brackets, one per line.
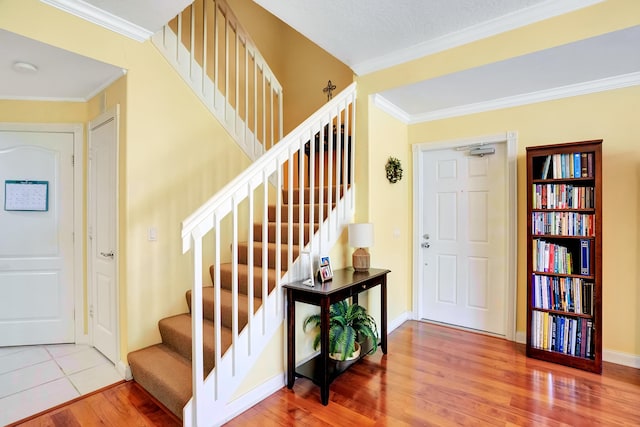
[564, 254]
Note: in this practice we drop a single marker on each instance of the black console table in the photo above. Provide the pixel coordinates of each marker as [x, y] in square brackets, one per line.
[346, 283]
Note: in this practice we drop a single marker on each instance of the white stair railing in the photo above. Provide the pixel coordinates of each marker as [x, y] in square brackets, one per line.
[318, 153]
[219, 61]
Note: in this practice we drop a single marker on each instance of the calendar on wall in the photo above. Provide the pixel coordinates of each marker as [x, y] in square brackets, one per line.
[21, 195]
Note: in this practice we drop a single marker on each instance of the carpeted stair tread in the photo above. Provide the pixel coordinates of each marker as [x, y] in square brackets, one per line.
[284, 212]
[176, 334]
[226, 278]
[284, 232]
[307, 192]
[243, 250]
[226, 303]
[164, 374]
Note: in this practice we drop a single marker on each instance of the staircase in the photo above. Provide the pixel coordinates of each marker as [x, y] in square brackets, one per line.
[165, 369]
[245, 241]
[206, 353]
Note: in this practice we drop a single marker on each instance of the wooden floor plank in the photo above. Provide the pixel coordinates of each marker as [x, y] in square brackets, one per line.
[431, 376]
[434, 375]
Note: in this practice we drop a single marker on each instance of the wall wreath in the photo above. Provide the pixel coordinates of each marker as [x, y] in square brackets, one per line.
[394, 170]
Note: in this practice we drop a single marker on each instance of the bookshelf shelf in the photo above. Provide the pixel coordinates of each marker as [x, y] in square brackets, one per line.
[564, 254]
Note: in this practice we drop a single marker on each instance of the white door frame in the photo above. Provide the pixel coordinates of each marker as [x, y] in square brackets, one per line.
[112, 113]
[77, 129]
[511, 141]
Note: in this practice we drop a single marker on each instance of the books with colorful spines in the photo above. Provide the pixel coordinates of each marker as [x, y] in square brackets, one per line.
[583, 165]
[577, 170]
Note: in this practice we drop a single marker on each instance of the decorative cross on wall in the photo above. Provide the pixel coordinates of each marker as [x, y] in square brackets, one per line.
[329, 90]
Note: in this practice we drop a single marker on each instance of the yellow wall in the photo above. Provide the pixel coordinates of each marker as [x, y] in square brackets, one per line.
[170, 146]
[302, 68]
[169, 162]
[609, 115]
[12, 111]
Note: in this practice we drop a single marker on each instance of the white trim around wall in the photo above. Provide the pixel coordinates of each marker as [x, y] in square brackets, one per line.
[584, 88]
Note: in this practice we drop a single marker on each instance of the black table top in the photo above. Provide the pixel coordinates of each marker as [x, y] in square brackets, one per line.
[342, 278]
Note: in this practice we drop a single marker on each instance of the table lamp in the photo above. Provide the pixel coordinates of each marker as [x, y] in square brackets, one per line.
[361, 238]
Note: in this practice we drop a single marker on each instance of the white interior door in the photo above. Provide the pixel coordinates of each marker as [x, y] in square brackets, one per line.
[103, 310]
[36, 247]
[464, 242]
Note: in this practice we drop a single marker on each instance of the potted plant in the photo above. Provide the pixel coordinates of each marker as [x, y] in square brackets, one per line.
[347, 322]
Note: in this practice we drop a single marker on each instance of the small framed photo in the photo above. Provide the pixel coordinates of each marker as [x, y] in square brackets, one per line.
[325, 272]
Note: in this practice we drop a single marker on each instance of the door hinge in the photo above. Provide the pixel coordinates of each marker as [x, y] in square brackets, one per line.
[73, 160]
[91, 311]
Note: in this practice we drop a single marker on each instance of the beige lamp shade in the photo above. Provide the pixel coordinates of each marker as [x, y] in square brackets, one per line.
[361, 238]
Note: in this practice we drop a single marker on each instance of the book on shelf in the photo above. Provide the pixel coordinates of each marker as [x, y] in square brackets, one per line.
[562, 334]
[568, 165]
[562, 196]
[545, 167]
[567, 294]
[585, 252]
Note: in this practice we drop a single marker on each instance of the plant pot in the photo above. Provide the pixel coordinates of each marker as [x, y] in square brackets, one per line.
[355, 355]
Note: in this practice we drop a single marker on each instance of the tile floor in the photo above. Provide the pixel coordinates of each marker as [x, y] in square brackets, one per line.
[36, 378]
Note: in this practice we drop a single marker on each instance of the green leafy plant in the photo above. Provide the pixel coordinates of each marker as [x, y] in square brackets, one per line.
[346, 323]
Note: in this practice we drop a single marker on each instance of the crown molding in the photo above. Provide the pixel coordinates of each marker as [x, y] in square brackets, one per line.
[102, 18]
[385, 105]
[511, 21]
[601, 85]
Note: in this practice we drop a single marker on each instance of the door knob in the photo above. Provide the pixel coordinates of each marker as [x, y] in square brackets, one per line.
[425, 245]
[107, 254]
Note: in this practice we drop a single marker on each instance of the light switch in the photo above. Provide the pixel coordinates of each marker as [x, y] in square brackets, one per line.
[152, 234]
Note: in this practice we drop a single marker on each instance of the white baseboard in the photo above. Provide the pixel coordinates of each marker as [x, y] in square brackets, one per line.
[255, 396]
[521, 337]
[124, 369]
[620, 358]
[398, 321]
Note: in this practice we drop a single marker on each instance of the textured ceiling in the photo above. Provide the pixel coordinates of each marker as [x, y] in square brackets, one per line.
[607, 61]
[61, 75]
[371, 34]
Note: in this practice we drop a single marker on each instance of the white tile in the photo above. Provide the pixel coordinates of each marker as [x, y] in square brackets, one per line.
[20, 359]
[81, 360]
[59, 350]
[9, 350]
[95, 378]
[29, 377]
[29, 402]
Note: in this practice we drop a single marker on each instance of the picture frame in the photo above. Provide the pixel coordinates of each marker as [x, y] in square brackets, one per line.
[325, 273]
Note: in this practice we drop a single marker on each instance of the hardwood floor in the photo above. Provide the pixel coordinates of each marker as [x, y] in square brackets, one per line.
[124, 404]
[432, 376]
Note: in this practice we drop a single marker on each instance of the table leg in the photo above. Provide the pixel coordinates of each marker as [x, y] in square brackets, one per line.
[383, 308]
[324, 350]
[291, 339]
